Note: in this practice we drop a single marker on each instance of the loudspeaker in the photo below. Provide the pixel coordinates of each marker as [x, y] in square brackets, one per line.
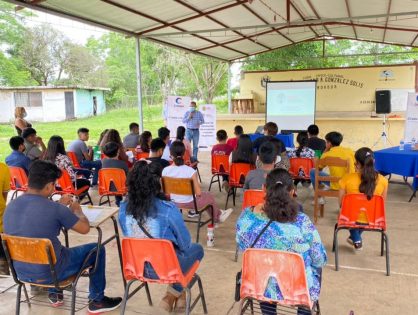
[383, 102]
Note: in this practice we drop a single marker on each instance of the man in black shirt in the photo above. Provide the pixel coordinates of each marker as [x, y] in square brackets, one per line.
[314, 142]
[156, 151]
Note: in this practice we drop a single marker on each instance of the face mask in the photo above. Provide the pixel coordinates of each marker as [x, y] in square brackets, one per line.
[192, 109]
[25, 114]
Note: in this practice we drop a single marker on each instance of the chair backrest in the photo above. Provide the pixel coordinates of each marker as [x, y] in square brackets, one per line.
[220, 164]
[157, 252]
[253, 197]
[288, 269]
[65, 183]
[237, 173]
[109, 176]
[300, 167]
[18, 178]
[142, 155]
[330, 162]
[178, 186]
[73, 158]
[29, 250]
[356, 210]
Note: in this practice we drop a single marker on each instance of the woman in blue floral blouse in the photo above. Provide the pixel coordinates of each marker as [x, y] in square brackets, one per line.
[291, 230]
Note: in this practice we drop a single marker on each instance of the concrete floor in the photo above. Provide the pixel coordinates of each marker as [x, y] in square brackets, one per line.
[361, 284]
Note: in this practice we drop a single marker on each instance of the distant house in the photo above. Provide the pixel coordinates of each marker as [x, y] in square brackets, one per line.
[52, 103]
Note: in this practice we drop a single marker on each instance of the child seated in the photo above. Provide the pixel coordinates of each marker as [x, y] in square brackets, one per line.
[222, 148]
[255, 179]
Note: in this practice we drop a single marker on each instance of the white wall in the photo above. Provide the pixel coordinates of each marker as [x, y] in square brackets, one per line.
[6, 107]
[53, 105]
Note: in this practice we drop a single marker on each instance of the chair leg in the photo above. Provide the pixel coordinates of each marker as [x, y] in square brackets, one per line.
[108, 200]
[88, 196]
[198, 174]
[211, 182]
[198, 227]
[382, 243]
[316, 209]
[333, 241]
[27, 295]
[18, 294]
[14, 195]
[188, 300]
[73, 297]
[413, 195]
[234, 194]
[148, 294]
[219, 184]
[202, 294]
[387, 255]
[317, 309]
[100, 200]
[336, 248]
[236, 254]
[125, 297]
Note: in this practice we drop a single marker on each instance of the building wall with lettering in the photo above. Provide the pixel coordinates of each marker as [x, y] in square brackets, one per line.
[338, 89]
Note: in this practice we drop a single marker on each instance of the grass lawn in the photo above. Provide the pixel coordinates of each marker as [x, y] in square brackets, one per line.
[117, 119]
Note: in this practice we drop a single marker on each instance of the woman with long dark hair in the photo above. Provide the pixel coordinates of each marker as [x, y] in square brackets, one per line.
[203, 198]
[112, 135]
[302, 150]
[147, 207]
[144, 142]
[244, 152]
[181, 136]
[55, 153]
[365, 180]
[289, 230]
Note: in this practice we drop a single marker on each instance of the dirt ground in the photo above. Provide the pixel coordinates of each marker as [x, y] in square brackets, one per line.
[360, 285]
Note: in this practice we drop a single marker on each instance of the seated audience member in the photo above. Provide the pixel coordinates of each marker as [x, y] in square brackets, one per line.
[181, 136]
[56, 154]
[5, 187]
[34, 215]
[102, 134]
[302, 151]
[281, 161]
[314, 142]
[270, 131]
[34, 146]
[203, 198]
[164, 134]
[157, 148]
[144, 142]
[131, 140]
[112, 135]
[84, 153]
[20, 121]
[365, 180]
[17, 158]
[244, 152]
[333, 149]
[111, 150]
[289, 230]
[221, 148]
[233, 142]
[148, 207]
[267, 154]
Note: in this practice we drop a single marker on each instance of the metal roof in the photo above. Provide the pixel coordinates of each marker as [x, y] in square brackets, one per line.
[235, 29]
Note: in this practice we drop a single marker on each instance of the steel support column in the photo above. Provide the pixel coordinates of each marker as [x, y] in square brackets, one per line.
[139, 83]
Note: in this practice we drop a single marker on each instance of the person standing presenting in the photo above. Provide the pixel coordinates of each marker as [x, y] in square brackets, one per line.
[193, 119]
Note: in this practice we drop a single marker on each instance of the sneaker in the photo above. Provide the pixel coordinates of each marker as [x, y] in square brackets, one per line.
[356, 245]
[192, 214]
[225, 214]
[105, 305]
[56, 298]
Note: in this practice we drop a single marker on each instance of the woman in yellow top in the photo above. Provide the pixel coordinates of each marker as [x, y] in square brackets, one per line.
[365, 180]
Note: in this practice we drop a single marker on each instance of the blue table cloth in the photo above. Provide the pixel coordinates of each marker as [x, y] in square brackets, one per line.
[287, 139]
[400, 162]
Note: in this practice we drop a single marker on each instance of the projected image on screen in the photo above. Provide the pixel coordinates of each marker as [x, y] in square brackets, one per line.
[291, 105]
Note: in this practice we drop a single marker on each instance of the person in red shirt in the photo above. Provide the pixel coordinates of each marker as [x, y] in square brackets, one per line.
[233, 142]
[222, 148]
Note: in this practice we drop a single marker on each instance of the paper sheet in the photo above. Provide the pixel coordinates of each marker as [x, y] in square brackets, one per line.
[92, 214]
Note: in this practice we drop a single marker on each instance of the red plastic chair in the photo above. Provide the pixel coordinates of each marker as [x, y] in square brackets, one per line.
[142, 155]
[73, 158]
[109, 177]
[161, 256]
[194, 165]
[252, 197]
[220, 166]
[300, 168]
[66, 186]
[18, 180]
[368, 215]
[237, 173]
[288, 269]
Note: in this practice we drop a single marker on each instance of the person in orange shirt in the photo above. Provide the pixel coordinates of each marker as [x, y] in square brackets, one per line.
[5, 187]
[365, 180]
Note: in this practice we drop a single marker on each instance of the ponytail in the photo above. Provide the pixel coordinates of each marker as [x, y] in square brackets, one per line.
[279, 206]
[368, 174]
[177, 150]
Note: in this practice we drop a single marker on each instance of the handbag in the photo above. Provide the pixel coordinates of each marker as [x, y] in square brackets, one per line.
[238, 276]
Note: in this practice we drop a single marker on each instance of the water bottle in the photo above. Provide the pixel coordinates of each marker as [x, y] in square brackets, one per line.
[413, 143]
[402, 145]
[210, 242]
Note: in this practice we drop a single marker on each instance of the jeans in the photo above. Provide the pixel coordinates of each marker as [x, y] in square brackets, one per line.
[321, 173]
[186, 261]
[74, 263]
[193, 135]
[270, 308]
[355, 235]
[97, 165]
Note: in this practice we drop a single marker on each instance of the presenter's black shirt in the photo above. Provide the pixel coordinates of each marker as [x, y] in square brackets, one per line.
[316, 143]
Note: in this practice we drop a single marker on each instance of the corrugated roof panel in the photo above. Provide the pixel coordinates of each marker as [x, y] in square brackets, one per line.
[399, 36]
[369, 33]
[223, 53]
[247, 46]
[273, 40]
[237, 16]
